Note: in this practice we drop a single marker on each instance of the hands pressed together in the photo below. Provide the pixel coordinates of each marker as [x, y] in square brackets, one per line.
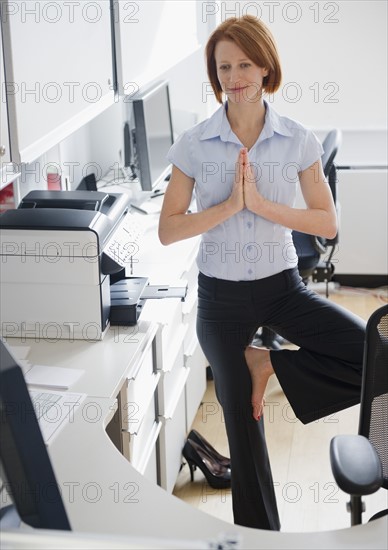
[244, 192]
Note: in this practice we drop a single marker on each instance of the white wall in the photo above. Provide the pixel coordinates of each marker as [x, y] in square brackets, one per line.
[334, 59]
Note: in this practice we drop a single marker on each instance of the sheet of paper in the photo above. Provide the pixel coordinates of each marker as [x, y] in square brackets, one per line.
[52, 377]
[147, 207]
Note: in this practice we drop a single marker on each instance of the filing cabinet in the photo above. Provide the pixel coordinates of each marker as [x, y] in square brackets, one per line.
[160, 399]
[172, 373]
[171, 388]
[194, 357]
[195, 387]
[140, 425]
[171, 441]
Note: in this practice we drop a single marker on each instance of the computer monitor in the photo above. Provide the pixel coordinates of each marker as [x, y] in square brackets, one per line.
[30, 478]
[88, 183]
[152, 134]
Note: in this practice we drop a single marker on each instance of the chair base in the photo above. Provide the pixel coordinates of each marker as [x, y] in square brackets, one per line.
[323, 273]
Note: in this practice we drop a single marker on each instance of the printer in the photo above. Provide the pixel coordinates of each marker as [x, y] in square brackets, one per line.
[59, 250]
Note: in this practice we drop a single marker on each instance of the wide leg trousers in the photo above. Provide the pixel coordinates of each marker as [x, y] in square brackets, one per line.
[321, 377]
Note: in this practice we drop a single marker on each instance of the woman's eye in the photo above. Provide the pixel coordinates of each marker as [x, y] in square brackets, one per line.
[224, 67]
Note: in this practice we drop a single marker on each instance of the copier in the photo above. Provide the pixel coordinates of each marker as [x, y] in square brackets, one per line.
[59, 251]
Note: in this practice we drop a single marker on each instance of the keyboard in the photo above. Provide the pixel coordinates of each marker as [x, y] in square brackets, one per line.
[54, 410]
[43, 402]
[124, 245]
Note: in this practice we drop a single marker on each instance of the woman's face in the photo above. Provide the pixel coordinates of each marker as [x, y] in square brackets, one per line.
[240, 79]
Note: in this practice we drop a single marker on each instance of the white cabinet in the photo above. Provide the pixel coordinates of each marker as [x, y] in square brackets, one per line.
[137, 424]
[173, 372]
[363, 241]
[195, 360]
[4, 140]
[7, 172]
[179, 359]
[171, 441]
[58, 69]
[151, 37]
[195, 363]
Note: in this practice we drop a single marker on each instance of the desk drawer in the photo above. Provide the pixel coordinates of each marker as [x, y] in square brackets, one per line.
[172, 438]
[171, 381]
[137, 447]
[172, 322]
[136, 398]
[190, 320]
[195, 387]
[151, 471]
[141, 449]
[191, 274]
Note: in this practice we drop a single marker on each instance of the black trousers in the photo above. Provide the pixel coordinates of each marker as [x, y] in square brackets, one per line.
[321, 377]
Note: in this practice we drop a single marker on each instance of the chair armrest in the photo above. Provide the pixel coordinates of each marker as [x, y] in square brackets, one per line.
[355, 464]
[320, 244]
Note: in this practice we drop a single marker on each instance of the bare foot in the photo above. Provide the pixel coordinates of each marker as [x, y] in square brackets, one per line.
[260, 367]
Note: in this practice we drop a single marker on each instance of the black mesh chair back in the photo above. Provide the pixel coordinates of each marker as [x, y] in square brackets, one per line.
[374, 394]
[360, 462]
[330, 144]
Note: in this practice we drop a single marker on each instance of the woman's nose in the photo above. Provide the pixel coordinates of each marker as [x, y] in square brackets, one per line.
[234, 75]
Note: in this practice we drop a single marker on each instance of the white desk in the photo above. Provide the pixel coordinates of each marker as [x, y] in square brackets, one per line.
[103, 494]
[105, 363]
[109, 503]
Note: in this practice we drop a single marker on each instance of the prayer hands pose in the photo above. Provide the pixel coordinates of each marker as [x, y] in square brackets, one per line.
[244, 192]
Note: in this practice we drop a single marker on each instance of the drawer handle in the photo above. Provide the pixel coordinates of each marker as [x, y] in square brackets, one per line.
[140, 363]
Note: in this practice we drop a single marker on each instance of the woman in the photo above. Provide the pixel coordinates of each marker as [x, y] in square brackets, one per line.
[245, 163]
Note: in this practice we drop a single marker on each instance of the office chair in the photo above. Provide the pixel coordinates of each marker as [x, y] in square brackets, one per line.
[310, 248]
[360, 462]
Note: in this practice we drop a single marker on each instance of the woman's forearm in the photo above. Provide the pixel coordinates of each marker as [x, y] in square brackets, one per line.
[319, 218]
[314, 221]
[177, 227]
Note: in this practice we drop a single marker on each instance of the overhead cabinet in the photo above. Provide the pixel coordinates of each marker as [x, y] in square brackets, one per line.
[151, 36]
[7, 170]
[58, 70]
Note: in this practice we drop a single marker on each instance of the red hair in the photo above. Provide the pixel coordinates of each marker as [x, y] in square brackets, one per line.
[255, 40]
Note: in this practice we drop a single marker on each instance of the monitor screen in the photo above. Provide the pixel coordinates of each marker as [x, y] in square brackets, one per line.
[30, 479]
[152, 135]
[88, 183]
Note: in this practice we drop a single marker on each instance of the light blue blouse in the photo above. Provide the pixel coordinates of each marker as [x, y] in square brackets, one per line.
[246, 246]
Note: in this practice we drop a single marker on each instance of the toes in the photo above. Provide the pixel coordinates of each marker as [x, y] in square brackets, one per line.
[257, 410]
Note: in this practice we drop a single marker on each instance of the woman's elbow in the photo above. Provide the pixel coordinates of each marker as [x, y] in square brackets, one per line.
[165, 236]
[331, 229]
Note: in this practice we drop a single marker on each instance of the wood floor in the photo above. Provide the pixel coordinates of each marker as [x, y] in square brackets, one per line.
[307, 495]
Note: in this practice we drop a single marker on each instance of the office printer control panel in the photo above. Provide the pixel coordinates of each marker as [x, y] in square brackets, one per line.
[122, 246]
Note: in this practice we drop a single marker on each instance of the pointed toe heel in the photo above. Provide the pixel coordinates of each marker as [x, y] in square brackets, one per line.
[218, 476]
[201, 441]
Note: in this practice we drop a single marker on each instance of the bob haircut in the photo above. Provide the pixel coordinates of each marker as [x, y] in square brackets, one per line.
[255, 40]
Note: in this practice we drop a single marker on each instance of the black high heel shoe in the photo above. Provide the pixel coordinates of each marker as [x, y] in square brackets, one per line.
[216, 475]
[201, 441]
